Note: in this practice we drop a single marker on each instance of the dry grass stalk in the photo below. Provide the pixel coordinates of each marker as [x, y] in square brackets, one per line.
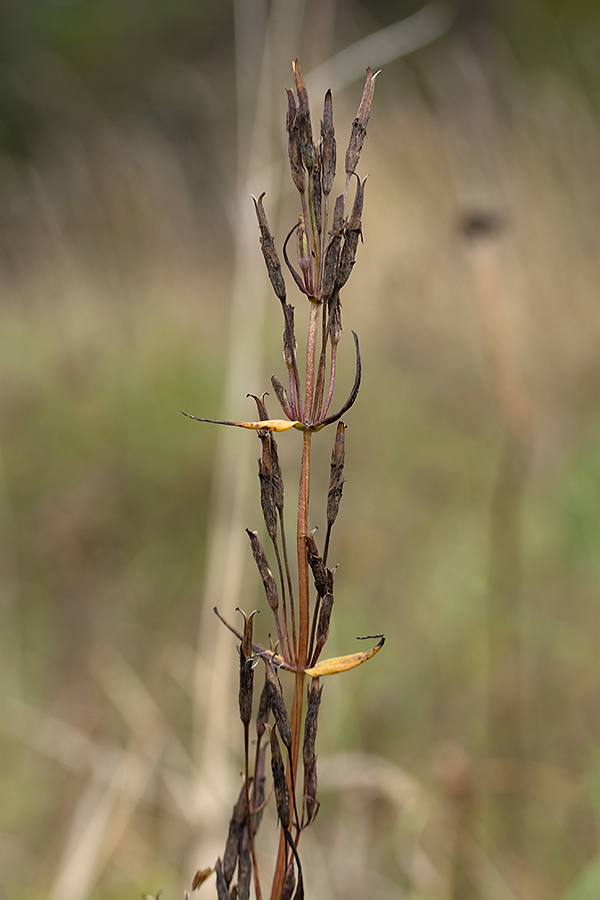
[326, 251]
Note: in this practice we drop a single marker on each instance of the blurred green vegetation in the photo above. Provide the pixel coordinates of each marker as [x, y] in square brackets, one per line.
[117, 137]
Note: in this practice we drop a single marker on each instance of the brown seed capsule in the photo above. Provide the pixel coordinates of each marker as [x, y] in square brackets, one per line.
[322, 575]
[359, 126]
[267, 496]
[308, 750]
[323, 624]
[264, 708]
[291, 124]
[351, 237]
[328, 145]
[333, 249]
[244, 867]
[336, 478]
[317, 190]
[265, 572]
[238, 818]
[269, 252]
[282, 794]
[281, 394]
[278, 704]
[222, 888]
[307, 149]
[289, 883]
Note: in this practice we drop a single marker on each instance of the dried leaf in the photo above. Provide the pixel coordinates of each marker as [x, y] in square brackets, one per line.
[343, 663]
[201, 876]
[268, 425]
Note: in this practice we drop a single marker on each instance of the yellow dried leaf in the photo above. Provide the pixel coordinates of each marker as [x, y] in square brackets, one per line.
[270, 425]
[343, 663]
[200, 877]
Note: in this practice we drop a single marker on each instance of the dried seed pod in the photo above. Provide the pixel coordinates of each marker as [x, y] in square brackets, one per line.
[222, 888]
[317, 190]
[336, 478]
[359, 125]
[278, 704]
[289, 338]
[291, 124]
[322, 575]
[351, 236]
[244, 867]
[328, 145]
[333, 248]
[230, 857]
[308, 750]
[323, 624]
[269, 252]
[307, 148]
[246, 670]
[289, 883]
[281, 394]
[265, 572]
[282, 794]
[267, 496]
[335, 318]
[264, 708]
[258, 789]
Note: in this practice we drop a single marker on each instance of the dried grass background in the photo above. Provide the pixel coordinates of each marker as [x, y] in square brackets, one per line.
[133, 288]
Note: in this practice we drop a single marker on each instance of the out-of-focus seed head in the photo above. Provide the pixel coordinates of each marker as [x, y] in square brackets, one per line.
[359, 125]
[269, 252]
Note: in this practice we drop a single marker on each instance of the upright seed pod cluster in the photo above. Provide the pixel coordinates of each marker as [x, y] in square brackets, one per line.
[326, 246]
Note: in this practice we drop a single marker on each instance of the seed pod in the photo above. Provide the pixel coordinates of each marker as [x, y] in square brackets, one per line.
[308, 749]
[281, 394]
[289, 883]
[258, 789]
[246, 685]
[278, 704]
[282, 794]
[307, 149]
[333, 248]
[244, 867]
[222, 888]
[328, 145]
[264, 708]
[238, 818]
[335, 318]
[359, 125]
[336, 478]
[291, 124]
[267, 245]
[265, 572]
[323, 624]
[351, 237]
[289, 338]
[267, 497]
[322, 575]
[317, 190]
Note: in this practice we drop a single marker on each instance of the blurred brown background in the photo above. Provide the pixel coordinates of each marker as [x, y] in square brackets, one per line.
[464, 761]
